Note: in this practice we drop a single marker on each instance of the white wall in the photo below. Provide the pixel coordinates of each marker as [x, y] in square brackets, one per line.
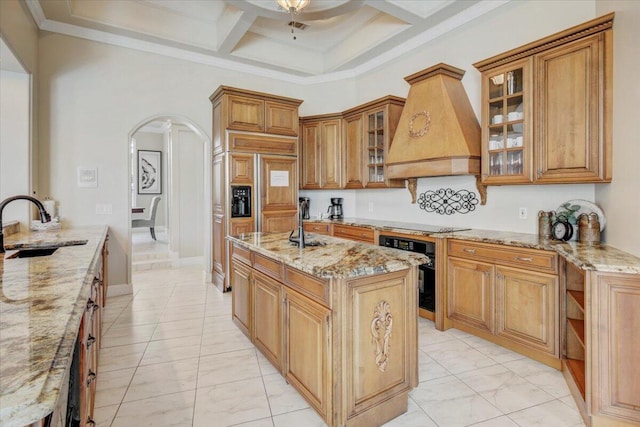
[14, 145]
[621, 199]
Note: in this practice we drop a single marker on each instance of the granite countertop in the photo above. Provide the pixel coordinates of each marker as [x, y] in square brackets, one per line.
[601, 257]
[333, 258]
[42, 300]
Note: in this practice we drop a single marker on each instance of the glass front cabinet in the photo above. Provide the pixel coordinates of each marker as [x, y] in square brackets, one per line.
[507, 134]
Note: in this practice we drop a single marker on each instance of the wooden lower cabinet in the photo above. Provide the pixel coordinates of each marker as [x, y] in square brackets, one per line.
[308, 350]
[240, 281]
[601, 346]
[471, 293]
[318, 228]
[352, 232]
[348, 346]
[526, 307]
[267, 317]
[507, 295]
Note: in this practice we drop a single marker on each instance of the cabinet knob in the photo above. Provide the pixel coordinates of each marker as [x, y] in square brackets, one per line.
[520, 258]
[470, 251]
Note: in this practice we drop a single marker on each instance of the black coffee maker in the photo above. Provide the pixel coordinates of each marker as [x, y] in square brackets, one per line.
[304, 206]
[335, 209]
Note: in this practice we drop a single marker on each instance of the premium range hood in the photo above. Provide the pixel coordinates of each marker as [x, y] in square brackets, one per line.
[438, 133]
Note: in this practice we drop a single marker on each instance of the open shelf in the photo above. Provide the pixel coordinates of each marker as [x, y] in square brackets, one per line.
[576, 368]
[578, 298]
[578, 328]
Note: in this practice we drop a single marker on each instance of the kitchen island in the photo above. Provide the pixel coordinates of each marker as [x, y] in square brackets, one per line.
[43, 301]
[338, 320]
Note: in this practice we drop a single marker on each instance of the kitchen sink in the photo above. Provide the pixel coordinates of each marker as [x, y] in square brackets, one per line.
[31, 253]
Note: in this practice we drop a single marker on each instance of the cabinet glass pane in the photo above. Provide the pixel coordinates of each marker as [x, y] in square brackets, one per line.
[379, 119]
[496, 163]
[514, 162]
[496, 85]
[515, 138]
[496, 112]
[372, 122]
[496, 138]
[515, 108]
[514, 81]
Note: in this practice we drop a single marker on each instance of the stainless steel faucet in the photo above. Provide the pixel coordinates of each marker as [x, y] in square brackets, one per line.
[44, 216]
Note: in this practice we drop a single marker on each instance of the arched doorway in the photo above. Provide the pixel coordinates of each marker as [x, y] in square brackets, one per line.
[178, 150]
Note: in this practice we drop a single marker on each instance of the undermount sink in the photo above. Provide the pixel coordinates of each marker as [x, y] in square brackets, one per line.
[31, 253]
[38, 250]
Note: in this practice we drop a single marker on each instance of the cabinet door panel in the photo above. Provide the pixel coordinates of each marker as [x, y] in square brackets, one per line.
[241, 296]
[310, 156]
[240, 168]
[471, 293]
[308, 349]
[570, 95]
[527, 309]
[240, 226]
[331, 155]
[267, 317]
[277, 196]
[245, 113]
[279, 221]
[614, 383]
[354, 163]
[218, 249]
[281, 119]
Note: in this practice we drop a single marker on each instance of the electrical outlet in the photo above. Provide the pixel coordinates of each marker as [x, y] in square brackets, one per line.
[104, 209]
[370, 206]
[522, 213]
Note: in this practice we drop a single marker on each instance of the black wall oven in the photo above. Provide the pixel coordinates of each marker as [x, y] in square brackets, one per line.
[426, 272]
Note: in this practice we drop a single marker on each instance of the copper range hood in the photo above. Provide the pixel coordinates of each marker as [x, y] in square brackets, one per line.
[438, 133]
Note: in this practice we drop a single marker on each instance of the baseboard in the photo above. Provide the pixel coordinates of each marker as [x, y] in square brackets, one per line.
[117, 290]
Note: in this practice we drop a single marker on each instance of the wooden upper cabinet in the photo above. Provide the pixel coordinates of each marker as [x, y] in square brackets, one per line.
[321, 155]
[244, 113]
[244, 110]
[281, 119]
[354, 152]
[571, 93]
[546, 109]
[241, 168]
[378, 121]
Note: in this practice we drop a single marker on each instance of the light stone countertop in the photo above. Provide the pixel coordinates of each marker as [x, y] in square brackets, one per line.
[601, 257]
[334, 258]
[42, 300]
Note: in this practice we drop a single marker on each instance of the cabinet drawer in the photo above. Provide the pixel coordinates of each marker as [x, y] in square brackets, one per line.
[316, 289]
[241, 254]
[531, 259]
[315, 227]
[354, 233]
[267, 266]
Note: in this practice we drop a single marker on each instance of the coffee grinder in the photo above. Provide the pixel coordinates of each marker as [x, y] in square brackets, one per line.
[335, 209]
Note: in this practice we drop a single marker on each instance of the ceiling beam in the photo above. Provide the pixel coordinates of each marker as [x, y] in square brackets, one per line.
[394, 10]
[235, 32]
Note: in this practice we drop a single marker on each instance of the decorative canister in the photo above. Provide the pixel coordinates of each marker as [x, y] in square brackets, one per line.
[589, 228]
[545, 220]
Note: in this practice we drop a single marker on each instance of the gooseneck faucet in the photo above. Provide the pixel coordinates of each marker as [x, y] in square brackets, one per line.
[44, 216]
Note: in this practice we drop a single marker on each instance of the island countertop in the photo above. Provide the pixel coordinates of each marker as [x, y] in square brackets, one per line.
[332, 258]
[42, 300]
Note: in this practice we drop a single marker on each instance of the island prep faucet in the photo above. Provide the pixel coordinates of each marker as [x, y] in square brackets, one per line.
[44, 216]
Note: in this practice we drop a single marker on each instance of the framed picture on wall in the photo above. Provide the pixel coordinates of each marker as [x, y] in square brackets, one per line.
[149, 172]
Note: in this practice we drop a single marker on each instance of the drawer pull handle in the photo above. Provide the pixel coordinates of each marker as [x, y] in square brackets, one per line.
[91, 377]
[90, 422]
[470, 251]
[520, 258]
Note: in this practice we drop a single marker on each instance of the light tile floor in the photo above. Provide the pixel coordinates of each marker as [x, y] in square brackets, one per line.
[171, 356]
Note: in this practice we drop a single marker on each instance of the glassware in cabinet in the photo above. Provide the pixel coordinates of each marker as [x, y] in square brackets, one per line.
[505, 132]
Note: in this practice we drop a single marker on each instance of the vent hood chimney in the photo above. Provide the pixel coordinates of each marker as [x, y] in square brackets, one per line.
[438, 133]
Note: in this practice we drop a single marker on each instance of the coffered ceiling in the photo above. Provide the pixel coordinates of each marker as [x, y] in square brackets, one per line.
[339, 38]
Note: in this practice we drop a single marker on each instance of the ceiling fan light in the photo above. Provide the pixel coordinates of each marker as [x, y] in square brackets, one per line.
[294, 6]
